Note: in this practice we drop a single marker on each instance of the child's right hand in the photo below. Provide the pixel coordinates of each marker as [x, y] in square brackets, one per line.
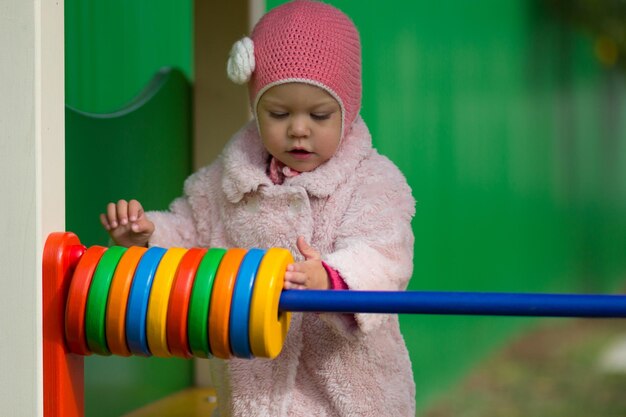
[127, 223]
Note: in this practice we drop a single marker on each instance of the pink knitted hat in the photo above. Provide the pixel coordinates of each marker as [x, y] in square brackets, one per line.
[302, 41]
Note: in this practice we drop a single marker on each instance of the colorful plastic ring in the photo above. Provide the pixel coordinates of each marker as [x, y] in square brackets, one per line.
[118, 300]
[221, 299]
[268, 325]
[137, 310]
[77, 300]
[178, 308]
[240, 309]
[159, 301]
[199, 303]
[95, 314]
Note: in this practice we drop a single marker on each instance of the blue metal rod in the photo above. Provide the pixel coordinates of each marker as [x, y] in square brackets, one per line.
[461, 303]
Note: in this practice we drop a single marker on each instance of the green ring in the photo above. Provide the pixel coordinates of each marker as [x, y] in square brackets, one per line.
[198, 318]
[95, 312]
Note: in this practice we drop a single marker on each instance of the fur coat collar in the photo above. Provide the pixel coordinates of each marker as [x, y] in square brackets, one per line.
[245, 164]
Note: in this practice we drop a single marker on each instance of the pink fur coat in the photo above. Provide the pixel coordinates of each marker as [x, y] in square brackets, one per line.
[356, 209]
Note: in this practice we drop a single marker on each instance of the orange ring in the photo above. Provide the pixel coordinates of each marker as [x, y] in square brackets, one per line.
[75, 335]
[221, 297]
[118, 299]
[178, 307]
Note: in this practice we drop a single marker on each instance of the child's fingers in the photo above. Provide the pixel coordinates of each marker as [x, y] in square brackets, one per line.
[308, 274]
[135, 210]
[290, 286]
[122, 212]
[303, 267]
[142, 225]
[105, 221]
[112, 215]
[295, 278]
[307, 250]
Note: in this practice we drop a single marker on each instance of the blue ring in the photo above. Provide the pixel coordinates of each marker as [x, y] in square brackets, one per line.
[239, 324]
[137, 307]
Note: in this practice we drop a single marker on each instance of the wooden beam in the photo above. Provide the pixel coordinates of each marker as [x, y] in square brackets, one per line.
[220, 106]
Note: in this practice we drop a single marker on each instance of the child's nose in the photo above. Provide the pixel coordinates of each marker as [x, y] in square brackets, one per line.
[298, 128]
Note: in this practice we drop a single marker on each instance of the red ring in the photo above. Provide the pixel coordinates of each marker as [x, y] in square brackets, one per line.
[77, 300]
[178, 307]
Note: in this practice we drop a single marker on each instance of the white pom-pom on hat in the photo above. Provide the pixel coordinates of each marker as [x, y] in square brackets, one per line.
[241, 61]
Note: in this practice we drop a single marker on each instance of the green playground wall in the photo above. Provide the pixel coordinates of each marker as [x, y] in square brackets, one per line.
[114, 47]
[510, 132]
[142, 151]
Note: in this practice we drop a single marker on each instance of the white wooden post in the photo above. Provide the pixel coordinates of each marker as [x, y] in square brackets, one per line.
[32, 187]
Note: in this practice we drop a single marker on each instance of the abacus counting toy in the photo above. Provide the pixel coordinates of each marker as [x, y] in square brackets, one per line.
[173, 302]
[154, 302]
[216, 302]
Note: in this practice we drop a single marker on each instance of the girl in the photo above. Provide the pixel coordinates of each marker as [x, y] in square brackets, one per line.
[302, 175]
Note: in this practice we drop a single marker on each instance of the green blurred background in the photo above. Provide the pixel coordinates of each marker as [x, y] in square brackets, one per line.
[114, 47]
[507, 118]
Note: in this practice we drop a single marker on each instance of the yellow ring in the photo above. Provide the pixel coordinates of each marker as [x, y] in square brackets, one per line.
[268, 326]
[156, 322]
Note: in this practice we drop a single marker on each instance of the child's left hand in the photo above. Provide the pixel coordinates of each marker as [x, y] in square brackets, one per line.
[308, 274]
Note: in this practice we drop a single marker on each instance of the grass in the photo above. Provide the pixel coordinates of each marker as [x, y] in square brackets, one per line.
[551, 371]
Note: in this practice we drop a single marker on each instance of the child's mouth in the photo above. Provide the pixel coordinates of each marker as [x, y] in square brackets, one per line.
[300, 153]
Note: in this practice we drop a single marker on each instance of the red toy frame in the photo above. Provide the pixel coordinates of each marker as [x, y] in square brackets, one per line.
[63, 372]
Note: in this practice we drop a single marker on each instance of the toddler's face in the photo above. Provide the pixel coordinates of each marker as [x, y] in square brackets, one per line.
[300, 125]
